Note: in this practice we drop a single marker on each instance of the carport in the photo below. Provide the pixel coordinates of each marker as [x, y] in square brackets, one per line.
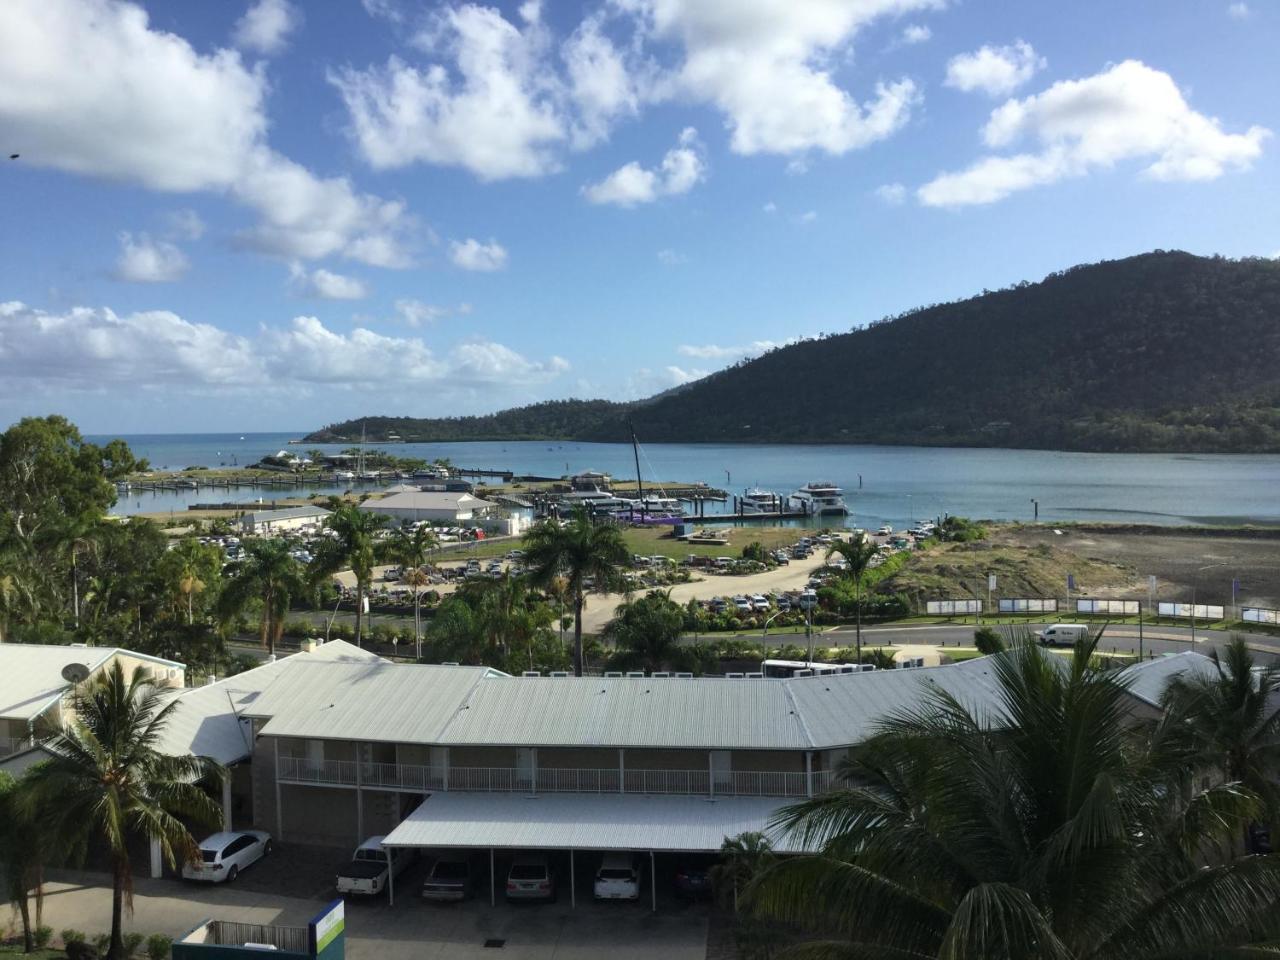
[596, 822]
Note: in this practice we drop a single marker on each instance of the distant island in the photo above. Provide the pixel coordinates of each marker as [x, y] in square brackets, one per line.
[1163, 352]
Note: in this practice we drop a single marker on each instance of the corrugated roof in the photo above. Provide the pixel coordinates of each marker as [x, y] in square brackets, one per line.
[585, 822]
[287, 513]
[207, 721]
[473, 706]
[405, 703]
[426, 500]
[1148, 679]
[31, 673]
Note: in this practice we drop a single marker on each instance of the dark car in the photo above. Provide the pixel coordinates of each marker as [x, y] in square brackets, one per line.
[450, 879]
[693, 881]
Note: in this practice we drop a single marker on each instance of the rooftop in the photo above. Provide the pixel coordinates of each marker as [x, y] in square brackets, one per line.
[31, 673]
[287, 513]
[427, 500]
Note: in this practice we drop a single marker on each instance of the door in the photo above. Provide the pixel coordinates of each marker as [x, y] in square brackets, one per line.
[526, 766]
[315, 757]
[721, 771]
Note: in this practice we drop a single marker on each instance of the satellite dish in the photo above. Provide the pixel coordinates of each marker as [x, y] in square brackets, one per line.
[75, 673]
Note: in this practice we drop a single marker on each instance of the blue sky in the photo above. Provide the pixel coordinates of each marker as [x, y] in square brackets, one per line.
[272, 215]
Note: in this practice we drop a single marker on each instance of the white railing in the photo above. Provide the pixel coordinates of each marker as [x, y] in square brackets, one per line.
[737, 783]
[10, 745]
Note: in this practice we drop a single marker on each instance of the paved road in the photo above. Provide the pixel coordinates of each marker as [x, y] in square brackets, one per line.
[1122, 638]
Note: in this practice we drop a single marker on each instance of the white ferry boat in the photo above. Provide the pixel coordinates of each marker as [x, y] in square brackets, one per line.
[817, 498]
[757, 500]
[655, 506]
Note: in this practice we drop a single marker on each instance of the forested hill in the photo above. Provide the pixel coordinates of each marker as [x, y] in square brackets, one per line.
[1165, 351]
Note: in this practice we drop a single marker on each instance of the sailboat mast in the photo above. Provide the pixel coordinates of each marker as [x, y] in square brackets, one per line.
[635, 450]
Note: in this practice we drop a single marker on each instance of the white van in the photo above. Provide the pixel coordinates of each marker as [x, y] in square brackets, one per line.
[1062, 633]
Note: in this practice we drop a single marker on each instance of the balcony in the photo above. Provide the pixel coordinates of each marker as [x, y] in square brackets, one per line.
[400, 776]
[9, 745]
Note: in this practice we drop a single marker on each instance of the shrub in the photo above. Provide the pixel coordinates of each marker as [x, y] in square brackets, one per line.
[158, 946]
[70, 936]
[79, 950]
[101, 944]
[132, 942]
[42, 936]
[988, 640]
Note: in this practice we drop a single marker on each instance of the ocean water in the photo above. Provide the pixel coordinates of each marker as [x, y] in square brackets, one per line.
[882, 484]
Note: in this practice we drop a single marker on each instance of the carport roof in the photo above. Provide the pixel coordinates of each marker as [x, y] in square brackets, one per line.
[575, 821]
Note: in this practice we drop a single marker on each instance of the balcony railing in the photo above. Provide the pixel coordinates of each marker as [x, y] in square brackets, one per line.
[10, 745]
[737, 783]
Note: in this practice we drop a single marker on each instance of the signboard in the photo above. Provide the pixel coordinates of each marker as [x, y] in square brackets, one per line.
[991, 581]
[1122, 608]
[951, 607]
[327, 929]
[1260, 615]
[1198, 611]
[1027, 605]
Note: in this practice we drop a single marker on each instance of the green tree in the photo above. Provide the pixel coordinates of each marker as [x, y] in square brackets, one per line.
[1047, 828]
[645, 633]
[107, 781]
[988, 640]
[269, 575]
[1234, 715]
[742, 859]
[577, 550]
[351, 545]
[22, 855]
[411, 548]
[193, 570]
[858, 552]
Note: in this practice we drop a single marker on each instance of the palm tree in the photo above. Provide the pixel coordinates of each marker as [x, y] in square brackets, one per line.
[352, 545]
[107, 781]
[191, 565]
[1234, 716]
[1049, 828]
[22, 855]
[742, 859]
[411, 548]
[267, 573]
[577, 550]
[645, 633]
[858, 552]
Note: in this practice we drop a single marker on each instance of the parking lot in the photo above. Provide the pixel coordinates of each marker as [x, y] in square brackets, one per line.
[294, 883]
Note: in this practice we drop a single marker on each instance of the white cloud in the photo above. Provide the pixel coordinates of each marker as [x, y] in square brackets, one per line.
[417, 313]
[266, 26]
[471, 254]
[89, 349]
[602, 85]
[144, 260]
[997, 71]
[712, 351]
[185, 224]
[321, 284]
[769, 66]
[489, 110]
[143, 107]
[891, 193]
[770, 207]
[681, 168]
[1239, 11]
[645, 382]
[809, 216]
[914, 33]
[671, 258]
[1128, 112]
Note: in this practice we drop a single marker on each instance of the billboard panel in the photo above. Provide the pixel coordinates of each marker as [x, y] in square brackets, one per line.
[1200, 611]
[1121, 608]
[1028, 605]
[945, 608]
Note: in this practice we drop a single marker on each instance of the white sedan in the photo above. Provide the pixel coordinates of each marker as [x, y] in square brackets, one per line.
[223, 855]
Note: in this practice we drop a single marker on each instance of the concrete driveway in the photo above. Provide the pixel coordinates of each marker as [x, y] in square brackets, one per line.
[410, 929]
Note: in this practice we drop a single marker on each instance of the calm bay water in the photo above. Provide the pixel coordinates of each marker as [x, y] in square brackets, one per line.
[882, 484]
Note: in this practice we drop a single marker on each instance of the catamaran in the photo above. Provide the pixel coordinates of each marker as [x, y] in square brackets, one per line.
[818, 497]
[757, 500]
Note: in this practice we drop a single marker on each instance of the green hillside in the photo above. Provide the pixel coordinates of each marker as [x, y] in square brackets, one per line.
[1165, 351]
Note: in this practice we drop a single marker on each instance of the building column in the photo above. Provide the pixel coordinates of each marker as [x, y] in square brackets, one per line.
[573, 883]
[226, 801]
[275, 743]
[622, 772]
[493, 899]
[653, 882]
[359, 798]
[157, 864]
[808, 773]
[391, 876]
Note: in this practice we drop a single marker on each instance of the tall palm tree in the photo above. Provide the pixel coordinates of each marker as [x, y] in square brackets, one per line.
[351, 544]
[858, 553]
[107, 781]
[1048, 828]
[190, 565]
[577, 550]
[1234, 716]
[269, 574]
[411, 548]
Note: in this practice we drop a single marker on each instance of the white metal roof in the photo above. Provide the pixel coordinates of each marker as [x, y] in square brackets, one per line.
[474, 706]
[1147, 680]
[31, 673]
[586, 821]
[287, 513]
[427, 500]
[207, 721]
[404, 703]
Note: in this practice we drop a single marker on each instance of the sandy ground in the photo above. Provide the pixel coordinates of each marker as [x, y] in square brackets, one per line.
[1183, 561]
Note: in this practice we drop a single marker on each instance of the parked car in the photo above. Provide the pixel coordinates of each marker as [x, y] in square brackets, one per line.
[618, 878]
[530, 878]
[759, 602]
[693, 881]
[886, 530]
[224, 855]
[450, 879]
[742, 604]
[391, 574]
[367, 873]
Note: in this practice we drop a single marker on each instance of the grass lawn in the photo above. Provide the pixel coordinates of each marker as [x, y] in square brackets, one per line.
[15, 950]
[657, 541]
